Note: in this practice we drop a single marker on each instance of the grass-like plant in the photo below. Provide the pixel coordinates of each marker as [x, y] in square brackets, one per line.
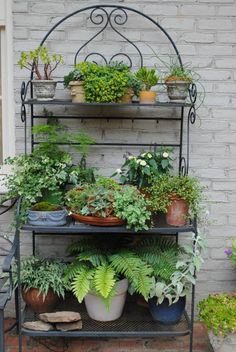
[43, 274]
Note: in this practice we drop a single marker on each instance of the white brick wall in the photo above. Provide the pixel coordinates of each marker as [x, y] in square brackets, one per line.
[205, 33]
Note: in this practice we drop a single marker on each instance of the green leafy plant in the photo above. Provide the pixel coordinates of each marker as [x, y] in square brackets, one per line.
[108, 84]
[80, 72]
[218, 313]
[43, 274]
[98, 268]
[40, 62]
[101, 200]
[45, 206]
[130, 205]
[140, 170]
[174, 282]
[178, 72]
[134, 83]
[165, 187]
[147, 77]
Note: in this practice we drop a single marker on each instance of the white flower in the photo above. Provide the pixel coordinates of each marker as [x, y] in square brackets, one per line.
[131, 157]
[139, 161]
[165, 155]
[147, 166]
[149, 155]
[143, 163]
[143, 155]
[118, 171]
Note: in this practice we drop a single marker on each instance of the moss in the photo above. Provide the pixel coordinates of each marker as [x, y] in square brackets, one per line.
[45, 206]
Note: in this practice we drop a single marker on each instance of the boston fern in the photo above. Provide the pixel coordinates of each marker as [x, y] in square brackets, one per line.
[98, 268]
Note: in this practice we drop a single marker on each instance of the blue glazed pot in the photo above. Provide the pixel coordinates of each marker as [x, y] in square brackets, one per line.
[165, 314]
[47, 218]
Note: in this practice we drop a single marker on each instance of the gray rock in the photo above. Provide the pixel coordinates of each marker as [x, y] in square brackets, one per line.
[69, 326]
[38, 325]
[60, 317]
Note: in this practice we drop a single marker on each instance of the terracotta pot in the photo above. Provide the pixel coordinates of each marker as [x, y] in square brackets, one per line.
[127, 98]
[177, 212]
[77, 91]
[147, 97]
[98, 221]
[35, 301]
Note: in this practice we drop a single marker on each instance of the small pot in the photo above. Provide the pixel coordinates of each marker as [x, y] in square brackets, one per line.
[77, 91]
[177, 212]
[177, 90]
[96, 308]
[47, 218]
[44, 89]
[127, 97]
[147, 97]
[167, 314]
[35, 301]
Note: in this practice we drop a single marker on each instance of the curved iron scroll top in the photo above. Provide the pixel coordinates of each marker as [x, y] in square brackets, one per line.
[117, 17]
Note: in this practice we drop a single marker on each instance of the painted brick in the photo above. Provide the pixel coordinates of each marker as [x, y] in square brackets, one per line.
[178, 23]
[196, 37]
[47, 7]
[226, 37]
[213, 23]
[197, 10]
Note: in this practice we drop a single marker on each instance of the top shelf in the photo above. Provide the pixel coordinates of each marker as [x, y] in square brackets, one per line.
[69, 102]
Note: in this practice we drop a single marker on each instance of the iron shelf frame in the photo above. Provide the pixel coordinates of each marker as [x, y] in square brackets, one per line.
[114, 17]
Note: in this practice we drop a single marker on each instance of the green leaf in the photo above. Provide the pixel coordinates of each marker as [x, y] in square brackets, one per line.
[104, 279]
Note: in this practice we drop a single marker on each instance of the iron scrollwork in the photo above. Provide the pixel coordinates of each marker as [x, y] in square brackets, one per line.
[117, 17]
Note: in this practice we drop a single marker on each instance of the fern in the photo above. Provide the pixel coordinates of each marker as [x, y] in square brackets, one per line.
[93, 256]
[81, 282]
[136, 270]
[104, 280]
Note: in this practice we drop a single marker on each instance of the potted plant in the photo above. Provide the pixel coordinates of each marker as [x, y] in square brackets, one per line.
[148, 78]
[105, 206]
[177, 196]
[174, 268]
[178, 81]
[42, 283]
[217, 311]
[76, 78]
[139, 170]
[42, 64]
[100, 274]
[47, 214]
[108, 84]
[133, 86]
[43, 174]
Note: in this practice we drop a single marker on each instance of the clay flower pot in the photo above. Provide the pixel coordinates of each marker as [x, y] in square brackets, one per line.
[147, 97]
[77, 91]
[177, 212]
[35, 301]
[98, 221]
[127, 97]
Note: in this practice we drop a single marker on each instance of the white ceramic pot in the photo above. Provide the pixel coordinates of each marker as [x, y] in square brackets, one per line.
[96, 308]
[44, 89]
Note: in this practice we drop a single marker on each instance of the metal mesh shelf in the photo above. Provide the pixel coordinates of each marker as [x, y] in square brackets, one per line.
[136, 321]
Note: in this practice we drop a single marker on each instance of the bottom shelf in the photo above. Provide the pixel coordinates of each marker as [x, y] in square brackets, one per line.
[136, 321]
